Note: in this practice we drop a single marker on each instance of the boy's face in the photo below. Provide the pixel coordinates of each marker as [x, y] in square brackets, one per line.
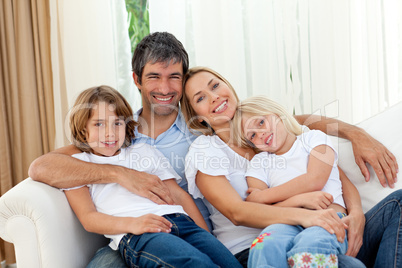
[161, 87]
[105, 132]
[267, 133]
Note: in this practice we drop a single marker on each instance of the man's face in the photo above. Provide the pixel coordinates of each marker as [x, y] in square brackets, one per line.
[161, 87]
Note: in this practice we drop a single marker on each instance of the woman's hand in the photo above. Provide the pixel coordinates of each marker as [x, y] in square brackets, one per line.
[327, 219]
[356, 223]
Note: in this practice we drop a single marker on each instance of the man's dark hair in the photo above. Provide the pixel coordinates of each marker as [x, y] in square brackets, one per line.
[158, 47]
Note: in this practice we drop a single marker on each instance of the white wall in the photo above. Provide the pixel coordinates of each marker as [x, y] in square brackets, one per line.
[343, 56]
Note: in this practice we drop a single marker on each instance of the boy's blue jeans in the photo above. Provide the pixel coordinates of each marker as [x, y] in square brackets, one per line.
[187, 245]
[282, 246]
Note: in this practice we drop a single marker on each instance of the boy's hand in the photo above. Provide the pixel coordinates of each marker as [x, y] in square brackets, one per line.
[150, 223]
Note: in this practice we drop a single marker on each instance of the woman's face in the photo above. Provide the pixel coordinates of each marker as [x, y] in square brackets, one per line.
[211, 99]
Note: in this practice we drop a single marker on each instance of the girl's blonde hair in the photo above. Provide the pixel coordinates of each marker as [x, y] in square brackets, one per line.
[190, 115]
[261, 106]
[82, 112]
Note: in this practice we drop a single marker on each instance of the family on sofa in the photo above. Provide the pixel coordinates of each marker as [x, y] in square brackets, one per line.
[208, 104]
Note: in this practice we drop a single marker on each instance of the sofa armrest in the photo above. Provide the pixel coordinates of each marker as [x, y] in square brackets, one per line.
[38, 220]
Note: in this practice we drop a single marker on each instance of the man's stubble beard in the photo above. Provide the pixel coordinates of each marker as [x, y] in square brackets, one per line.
[161, 110]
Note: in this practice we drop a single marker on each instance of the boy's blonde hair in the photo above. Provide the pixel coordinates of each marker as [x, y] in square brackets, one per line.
[82, 112]
[261, 106]
[189, 114]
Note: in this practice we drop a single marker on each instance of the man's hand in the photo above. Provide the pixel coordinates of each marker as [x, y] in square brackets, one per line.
[356, 224]
[145, 185]
[368, 150]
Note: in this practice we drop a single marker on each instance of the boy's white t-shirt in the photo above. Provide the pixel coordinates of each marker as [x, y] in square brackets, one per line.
[211, 156]
[275, 170]
[115, 200]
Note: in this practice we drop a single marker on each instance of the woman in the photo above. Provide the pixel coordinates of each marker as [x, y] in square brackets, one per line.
[215, 169]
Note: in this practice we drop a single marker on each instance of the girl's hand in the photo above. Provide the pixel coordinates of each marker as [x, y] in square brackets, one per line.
[314, 200]
[149, 223]
[327, 219]
[255, 195]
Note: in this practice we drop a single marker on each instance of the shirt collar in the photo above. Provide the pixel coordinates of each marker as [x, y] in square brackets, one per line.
[179, 122]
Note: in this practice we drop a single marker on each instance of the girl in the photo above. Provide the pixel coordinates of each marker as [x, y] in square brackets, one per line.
[294, 163]
[145, 233]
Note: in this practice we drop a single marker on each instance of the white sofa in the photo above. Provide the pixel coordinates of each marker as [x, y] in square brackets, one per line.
[37, 219]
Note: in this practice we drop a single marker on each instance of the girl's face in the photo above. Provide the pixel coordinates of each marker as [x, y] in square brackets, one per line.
[267, 133]
[105, 132]
[211, 98]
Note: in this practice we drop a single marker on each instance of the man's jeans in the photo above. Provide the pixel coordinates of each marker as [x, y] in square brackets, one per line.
[382, 239]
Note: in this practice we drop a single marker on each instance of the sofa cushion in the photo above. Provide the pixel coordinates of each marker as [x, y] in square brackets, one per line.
[386, 127]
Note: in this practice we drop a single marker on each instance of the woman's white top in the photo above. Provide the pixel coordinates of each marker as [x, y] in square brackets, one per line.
[211, 156]
[275, 170]
[113, 199]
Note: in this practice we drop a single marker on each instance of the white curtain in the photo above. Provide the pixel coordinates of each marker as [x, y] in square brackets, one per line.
[90, 47]
[335, 58]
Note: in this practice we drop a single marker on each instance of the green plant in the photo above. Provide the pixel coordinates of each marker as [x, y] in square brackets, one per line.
[138, 21]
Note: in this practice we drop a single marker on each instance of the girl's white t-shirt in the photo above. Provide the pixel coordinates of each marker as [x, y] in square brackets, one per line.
[211, 156]
[113, 199]
[275, 170]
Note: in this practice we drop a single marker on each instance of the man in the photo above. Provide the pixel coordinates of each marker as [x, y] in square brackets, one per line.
[159, 64]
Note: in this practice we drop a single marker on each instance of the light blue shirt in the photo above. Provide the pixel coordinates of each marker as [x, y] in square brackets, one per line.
[173, 143]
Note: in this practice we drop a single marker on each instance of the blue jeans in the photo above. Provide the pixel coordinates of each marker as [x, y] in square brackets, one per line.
[187, 245]
[382, 238]
[282, 245]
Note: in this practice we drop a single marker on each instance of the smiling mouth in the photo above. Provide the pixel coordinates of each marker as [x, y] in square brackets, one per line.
[269, 139]
[109, 143]
[165, 99]
[220, 107]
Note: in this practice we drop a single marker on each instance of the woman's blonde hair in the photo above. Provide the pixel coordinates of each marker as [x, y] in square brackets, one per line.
[82, 112]
[190, 115]
[261, 106]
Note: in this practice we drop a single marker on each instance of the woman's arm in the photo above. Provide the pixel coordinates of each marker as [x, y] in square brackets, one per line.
[60, 170]
[218, 191]
[96, 222]
[182, 198]
[355, 219]
[366, 149]
[319, 168]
